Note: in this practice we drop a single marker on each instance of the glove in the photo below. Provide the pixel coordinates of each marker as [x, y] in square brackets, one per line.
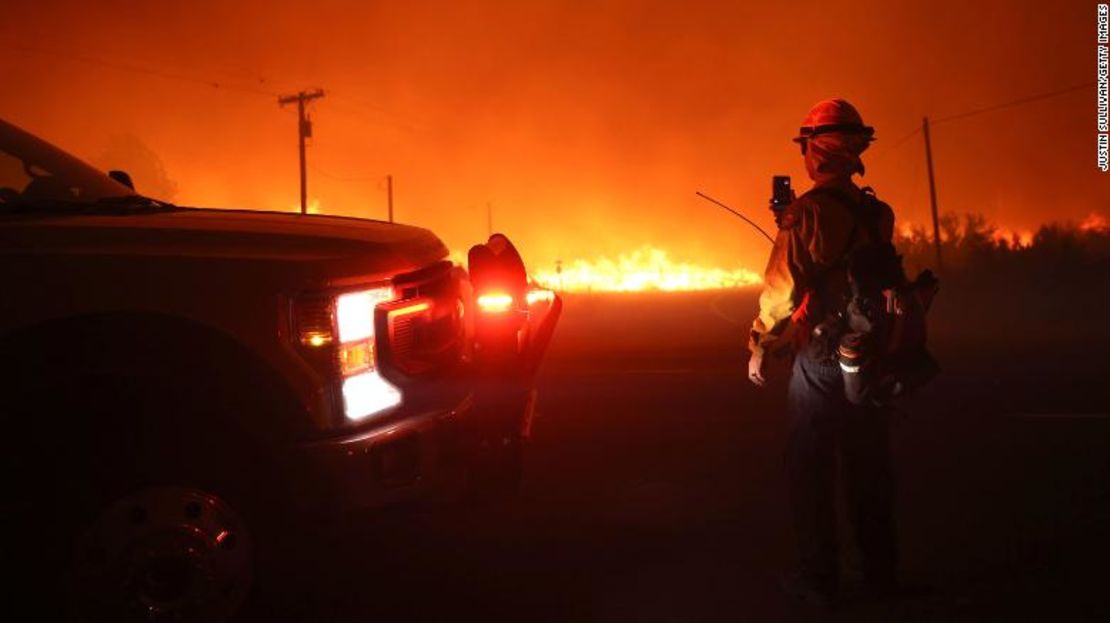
[755, 370]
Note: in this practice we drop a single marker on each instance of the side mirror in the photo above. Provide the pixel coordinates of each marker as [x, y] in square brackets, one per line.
[123, 177]
[515, 320]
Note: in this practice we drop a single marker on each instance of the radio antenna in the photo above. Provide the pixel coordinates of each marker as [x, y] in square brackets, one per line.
[746, 219]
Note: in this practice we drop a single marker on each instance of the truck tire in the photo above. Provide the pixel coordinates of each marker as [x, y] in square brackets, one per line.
[120, 517]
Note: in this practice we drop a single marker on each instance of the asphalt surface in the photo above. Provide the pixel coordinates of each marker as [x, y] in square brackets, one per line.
[655, 492]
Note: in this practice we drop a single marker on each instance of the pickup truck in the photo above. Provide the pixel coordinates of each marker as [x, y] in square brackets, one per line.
[180, 384]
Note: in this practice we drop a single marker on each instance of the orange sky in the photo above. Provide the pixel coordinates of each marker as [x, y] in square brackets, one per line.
[588, 129]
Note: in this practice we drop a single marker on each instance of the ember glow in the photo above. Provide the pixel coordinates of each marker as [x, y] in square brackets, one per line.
[645, 269]
[1013, 239]
[1002, 236]
[1095, 224]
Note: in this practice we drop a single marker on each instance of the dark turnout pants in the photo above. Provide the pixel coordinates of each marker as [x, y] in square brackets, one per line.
[823, 427]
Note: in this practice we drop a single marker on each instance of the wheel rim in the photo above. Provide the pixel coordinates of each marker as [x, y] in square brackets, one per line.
[163, 554]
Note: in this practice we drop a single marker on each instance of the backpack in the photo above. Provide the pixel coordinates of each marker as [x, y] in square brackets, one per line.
[879, 334]
[883, 353]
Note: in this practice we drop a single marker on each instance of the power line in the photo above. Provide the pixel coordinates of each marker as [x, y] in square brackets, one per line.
[1011, 103]
[140, 69]
[359, 102]
[898, 143]
[925, 125]
[350, 106]
[895, 145]
[377, 115]
[979, 111]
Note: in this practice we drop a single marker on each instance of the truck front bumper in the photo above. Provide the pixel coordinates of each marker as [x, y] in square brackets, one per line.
[414, 457]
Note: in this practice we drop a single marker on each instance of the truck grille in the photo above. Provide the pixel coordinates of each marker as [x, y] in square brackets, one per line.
[424, 327]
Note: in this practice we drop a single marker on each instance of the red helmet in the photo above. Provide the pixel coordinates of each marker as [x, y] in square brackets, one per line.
[833, 115]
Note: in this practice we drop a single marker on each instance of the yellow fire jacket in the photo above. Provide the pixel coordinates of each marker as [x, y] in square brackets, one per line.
[816, 233]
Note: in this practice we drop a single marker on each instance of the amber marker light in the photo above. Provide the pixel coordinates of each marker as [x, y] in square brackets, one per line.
[316, 339]
[408, 310]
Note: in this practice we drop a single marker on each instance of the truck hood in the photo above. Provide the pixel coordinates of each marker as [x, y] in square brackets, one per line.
[339, 246]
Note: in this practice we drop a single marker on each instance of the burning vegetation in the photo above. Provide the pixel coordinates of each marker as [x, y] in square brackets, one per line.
[970, 245]
[645, 269]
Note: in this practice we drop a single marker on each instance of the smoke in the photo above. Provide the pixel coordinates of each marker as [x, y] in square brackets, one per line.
[588, 128]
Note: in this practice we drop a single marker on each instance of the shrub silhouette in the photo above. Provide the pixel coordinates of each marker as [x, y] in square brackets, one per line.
[1005, 295]
[974, 253]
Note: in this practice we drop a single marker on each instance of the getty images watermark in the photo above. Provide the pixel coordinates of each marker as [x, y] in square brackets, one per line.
[1103, 73]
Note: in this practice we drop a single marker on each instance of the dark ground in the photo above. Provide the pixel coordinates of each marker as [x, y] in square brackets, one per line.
[655, 492]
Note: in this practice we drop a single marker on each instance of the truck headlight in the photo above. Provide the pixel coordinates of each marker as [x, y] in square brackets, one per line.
[365, 392]
[340, 329]
[368, 393]
[354, 313]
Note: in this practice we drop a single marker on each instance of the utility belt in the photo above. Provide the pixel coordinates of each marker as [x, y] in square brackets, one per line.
[833, 343]
[821, 330]
[822, 341]
[878, 345]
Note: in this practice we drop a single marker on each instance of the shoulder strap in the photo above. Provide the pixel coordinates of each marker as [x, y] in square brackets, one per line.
[855, 209]
[868, 212]
[864, 213]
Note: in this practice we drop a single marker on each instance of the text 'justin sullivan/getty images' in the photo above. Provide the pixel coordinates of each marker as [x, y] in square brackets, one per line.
[1103, 88]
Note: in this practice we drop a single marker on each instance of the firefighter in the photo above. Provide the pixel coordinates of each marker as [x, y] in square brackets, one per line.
[806, 285]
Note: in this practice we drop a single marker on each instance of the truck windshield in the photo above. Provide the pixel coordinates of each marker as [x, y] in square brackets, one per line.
[36, 174]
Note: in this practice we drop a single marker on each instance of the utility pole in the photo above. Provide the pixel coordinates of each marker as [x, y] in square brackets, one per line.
[389, 195]
[304, 130]
[932, 189]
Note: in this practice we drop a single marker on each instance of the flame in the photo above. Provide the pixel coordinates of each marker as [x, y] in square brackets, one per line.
[1001, 236]
[910, 230]
[313, 207]
[646, 268]
[1095, 224]
[1014, 240]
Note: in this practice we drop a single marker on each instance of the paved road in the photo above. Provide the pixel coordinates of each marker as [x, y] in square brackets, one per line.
[654, 489]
